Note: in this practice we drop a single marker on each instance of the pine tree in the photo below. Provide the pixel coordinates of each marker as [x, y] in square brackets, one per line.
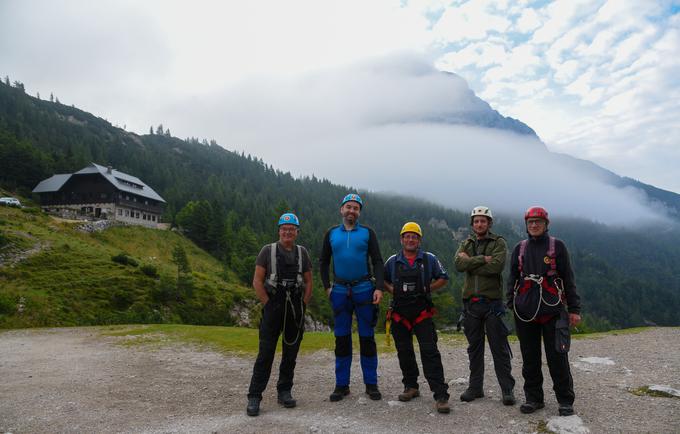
[151, 130]
[159, 130]
[179, 258]
[51, 97]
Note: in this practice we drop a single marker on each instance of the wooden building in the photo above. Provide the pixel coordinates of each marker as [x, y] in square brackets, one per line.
[98, 192]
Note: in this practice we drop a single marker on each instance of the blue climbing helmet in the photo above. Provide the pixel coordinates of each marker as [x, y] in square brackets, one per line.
[289, 219]
[353, 197]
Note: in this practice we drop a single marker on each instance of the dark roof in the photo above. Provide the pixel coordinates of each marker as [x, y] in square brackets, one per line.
[122, 181]
[54, 183]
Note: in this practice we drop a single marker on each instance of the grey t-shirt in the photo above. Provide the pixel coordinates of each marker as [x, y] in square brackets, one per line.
[264, 257]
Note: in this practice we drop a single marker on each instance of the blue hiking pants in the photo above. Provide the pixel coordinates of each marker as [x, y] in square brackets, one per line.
[345, 302]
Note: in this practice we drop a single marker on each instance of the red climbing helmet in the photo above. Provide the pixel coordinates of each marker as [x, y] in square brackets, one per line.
[536, 212]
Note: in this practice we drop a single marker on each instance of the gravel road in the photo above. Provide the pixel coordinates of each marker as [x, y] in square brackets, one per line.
[76, 380]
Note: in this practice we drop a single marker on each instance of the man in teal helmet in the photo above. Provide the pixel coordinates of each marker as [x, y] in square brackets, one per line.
[283, 283]
[356, 289]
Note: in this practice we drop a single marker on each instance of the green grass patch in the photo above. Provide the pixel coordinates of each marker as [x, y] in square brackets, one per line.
[597, 335]
[646, 391]
[229, 340]
[542, 427]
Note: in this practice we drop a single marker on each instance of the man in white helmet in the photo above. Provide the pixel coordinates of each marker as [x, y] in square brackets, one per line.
[482, 258]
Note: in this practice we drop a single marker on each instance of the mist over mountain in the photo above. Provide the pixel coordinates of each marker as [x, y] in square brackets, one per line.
[230, 201]
[396, 124]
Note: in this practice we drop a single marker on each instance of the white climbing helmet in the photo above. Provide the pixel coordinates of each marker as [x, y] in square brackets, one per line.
[483, 211]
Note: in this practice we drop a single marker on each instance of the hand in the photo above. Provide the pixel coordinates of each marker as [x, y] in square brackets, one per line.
[574, 319]
[328, 292]
[377, 296]
[463, 255]
[488, 259]
[264, 301]
[306, 300]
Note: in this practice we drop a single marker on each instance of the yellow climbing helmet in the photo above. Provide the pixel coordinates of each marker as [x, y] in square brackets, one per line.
[411, 227]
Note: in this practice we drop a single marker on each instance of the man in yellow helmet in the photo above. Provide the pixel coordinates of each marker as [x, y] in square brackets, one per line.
[410, 276]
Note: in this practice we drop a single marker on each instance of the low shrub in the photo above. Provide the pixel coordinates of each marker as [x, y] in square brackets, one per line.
[123, 259]
[149, 270]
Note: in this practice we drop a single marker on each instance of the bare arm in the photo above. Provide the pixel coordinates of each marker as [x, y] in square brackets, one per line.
[308, 286]
[437, 284]
[258, 284]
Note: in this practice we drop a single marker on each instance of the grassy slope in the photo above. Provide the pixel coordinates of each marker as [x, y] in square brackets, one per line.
[73, 281]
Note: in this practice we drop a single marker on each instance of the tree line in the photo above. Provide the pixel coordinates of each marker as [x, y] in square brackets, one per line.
[228, 203]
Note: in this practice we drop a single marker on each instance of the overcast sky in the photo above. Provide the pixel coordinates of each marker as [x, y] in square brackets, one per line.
[299, 82]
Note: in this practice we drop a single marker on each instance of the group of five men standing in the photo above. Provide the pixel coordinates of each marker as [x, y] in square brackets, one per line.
[541, 283]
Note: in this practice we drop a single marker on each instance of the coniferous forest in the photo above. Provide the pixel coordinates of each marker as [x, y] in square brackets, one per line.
[228, 204]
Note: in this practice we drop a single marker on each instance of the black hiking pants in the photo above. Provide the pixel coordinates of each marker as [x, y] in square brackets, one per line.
[529, 335]
[271, 327]
[429, 353]
[485, 318]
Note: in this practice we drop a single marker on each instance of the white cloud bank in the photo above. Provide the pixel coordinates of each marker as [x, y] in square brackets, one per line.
[377, 125]
[597, 79]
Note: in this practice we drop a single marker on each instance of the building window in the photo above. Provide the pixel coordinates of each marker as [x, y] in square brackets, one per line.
[127, 213]
[153, 218]
[120, 212]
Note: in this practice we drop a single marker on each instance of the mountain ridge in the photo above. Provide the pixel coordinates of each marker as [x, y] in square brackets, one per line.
[229, 202]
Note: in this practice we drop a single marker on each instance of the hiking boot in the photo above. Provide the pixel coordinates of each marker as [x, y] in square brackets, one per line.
[409, 394]
[442, 406]
[253, 408]
[566, 409]
[530, 407]
[471, 395]
[339, 393]
[286, 399]
[373, 392]
[509, 398]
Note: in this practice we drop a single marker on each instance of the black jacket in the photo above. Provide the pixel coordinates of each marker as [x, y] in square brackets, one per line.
[534, 263]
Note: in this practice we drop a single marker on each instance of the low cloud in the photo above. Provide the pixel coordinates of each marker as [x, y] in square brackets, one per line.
[385, 126]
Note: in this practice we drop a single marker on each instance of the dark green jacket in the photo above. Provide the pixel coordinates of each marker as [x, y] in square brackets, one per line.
[482, 278]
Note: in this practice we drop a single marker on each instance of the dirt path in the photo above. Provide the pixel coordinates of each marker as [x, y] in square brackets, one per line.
[75, 380]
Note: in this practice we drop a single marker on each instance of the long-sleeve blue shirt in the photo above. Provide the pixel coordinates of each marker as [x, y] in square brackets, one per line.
[351, 251]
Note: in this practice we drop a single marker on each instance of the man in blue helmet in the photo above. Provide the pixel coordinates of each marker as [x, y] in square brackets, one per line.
[283, 283]
[355, 290]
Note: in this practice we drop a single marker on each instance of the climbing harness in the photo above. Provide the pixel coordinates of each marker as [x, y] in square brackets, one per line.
[415, 287]
[540, 281]
[291, 287]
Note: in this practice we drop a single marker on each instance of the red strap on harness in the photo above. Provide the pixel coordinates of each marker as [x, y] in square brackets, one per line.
[550, 254]
[425, 314]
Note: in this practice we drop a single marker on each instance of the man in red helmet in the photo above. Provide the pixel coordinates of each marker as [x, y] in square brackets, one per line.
[542, 294]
